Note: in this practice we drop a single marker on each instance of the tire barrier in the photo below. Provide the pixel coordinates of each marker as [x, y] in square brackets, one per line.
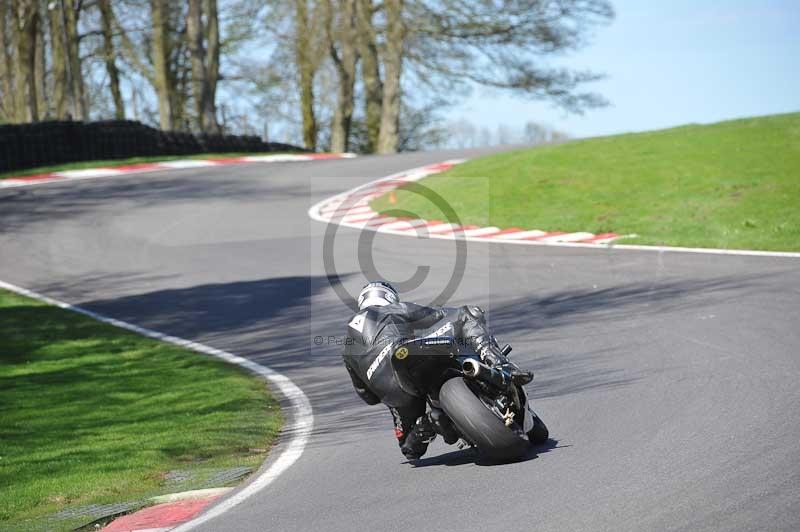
[25, 146]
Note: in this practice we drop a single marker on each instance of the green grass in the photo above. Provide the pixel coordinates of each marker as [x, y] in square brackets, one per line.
[121, 162]
[732, 185]
[90, 413]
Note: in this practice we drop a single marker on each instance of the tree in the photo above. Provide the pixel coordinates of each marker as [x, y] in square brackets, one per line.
[25, 19]
[343, 42]
[370, 73]
[163, 78]
[40, 64]
[58, 59]
[72, 11]
[6, 68]
[388, 138]
[110, 56]
[455, 42]
[212, 65]
[204, 65]
[307, 59]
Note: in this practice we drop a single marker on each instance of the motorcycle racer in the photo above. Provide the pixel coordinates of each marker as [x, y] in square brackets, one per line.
[380, 324]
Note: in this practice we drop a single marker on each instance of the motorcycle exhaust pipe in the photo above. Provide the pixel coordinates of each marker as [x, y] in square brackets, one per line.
[478, 370]
[471, 368]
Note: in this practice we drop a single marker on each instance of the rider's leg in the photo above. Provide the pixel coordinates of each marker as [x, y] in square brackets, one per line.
[476, 332]
[413, 429]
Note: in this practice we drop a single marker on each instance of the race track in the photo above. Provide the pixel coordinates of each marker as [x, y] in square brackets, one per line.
[669, 381]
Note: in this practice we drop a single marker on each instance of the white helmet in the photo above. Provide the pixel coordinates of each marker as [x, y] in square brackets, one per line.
[377, 293]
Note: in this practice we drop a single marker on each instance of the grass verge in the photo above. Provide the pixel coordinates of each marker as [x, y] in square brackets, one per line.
[92, 414]
[733, 185]
[123, 162]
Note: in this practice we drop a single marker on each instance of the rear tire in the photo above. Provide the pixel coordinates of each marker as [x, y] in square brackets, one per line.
[478, 424]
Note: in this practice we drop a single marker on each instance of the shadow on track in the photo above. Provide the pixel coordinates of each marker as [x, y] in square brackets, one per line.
[274, 321]
[616, 303]
[471, 456]
[603, 312]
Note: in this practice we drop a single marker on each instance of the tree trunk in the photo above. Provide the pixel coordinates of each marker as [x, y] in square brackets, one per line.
[205, 63]
[212, 66]
[305, 66]
[74, 58]
[345, 62]
[194, 36]
[161, 57]
[25, 18]
[392, 67]
[40, 68]
[58, 56]
[6, 67]
[370, 74]
[110, 56]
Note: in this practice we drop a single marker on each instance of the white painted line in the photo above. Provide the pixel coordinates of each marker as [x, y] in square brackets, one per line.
[567, 237]
[88, 173]
[712, 251]
[344, 211]
[604, 240]
[379, 220]
[521, 234]
[403, 225]
[277, 158]
[480, 231]
[190, 495]
[360, 225]
[8, 183]
[443, 228]
[301, 416]
[186, 163]
[354, 218]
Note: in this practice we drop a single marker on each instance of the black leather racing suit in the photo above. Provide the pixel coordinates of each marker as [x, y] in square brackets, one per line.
[371, 334]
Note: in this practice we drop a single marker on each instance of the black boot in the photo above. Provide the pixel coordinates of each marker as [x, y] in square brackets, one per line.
[518, 376]
[493, 356]
[416, 443]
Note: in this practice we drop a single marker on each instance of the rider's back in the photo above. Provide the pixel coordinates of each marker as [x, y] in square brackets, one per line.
[375, 328]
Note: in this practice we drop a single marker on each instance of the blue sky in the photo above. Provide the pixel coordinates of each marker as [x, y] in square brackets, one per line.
[670, 63]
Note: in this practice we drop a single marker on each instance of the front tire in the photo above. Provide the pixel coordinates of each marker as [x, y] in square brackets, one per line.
[478, 424]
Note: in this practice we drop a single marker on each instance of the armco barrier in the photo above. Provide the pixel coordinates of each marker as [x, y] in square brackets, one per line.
[25, 146]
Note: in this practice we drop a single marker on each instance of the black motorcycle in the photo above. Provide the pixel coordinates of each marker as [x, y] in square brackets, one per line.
[470, 402]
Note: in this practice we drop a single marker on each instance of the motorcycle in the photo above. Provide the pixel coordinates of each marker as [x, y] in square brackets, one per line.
[470, 403]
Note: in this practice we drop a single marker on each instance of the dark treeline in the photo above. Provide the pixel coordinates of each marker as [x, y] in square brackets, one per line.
[360, 75]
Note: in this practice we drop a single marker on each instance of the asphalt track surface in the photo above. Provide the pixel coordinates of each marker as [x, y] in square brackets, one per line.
[669, 381]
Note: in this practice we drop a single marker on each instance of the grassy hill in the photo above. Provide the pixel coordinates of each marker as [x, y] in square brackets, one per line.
[733, 184]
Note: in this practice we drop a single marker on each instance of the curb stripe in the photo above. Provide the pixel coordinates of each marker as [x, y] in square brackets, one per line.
[524, 234]
[602, 237]
[112, 171]
[566, 237]
[404, 225]
[503, 232]
[481, 231]
[381, 221]
[360, 196]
